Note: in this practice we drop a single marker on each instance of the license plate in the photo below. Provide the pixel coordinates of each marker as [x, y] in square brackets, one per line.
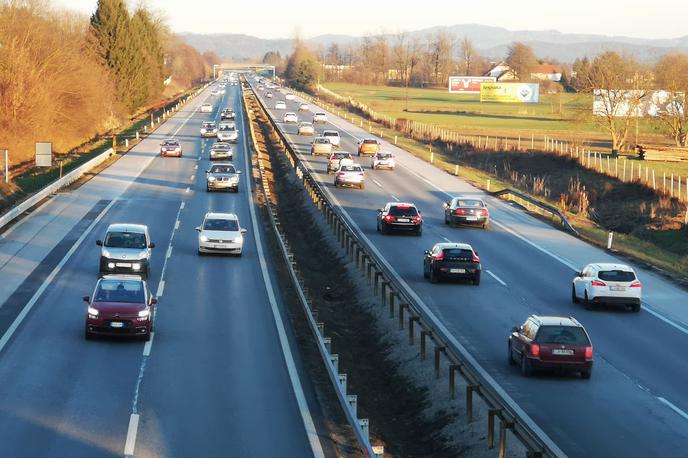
[562, 351]
[471, 218]
[617, 288]
[116, 324]
[403, 220]
[123, 264]
[218, 245]
[457, 271]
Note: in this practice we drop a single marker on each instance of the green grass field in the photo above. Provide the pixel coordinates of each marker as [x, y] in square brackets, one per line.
[562, 116]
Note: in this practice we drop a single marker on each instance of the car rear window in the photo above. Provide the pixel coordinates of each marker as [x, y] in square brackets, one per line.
[135, 240]
[120, 291]
[562, 335]
[616, 275]
[370, 142]
[351, 168]
[384, 155]
[403, 211]
[330, 134]
[322, 141]
[222, 169]
[170, 143]
[469, 203]
[458, 253]
[221, 225]
[341, 156]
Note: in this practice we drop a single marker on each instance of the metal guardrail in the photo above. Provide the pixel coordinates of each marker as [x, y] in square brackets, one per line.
[339, 381]
[521, 198]
[396, 294]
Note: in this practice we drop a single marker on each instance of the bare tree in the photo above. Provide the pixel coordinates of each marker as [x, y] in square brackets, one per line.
[521, 59]
[440, 54]
[468, 57]
[671, 75]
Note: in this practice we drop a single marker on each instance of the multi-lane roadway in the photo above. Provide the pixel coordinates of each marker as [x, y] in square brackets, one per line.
[635, 404]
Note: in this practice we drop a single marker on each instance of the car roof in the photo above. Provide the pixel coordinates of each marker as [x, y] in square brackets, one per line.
[330, 132]
[121, 277]
[222, 163]
[612, 266]
[467, 198]
[289, 113]
[457, 245]
[556, 321]
[217, 215]
[171, 140]
[127, 227]
[401, 204]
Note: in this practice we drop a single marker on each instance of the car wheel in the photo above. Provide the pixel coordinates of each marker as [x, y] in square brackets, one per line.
[526, 367]
[87, 335]
[446, 219]
[586, 374]
[485, 226]
[587, 302]
[145, 337]
[574, 298]
[378, 226]
[511, 356]
[636, 308]
[433, 276]
[362, 186]
[476, 279]
[425, 271]
[383, 228]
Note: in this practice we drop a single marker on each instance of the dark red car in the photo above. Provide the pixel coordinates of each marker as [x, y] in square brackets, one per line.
[121, 306]
[551, 343]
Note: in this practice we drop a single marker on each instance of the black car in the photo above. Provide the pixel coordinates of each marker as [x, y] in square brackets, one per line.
[452, 260]
[399, 216]
[466, 210]
[227, 113]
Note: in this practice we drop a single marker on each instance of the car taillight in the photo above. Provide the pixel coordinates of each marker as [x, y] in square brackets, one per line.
[340, 174]
[439, 256]
[416, 219]
[485, 212]
[636, 285]
[535, 349]
[459, 211]
[476, 258]
[588, 352]
[388, 218]
[597, 283]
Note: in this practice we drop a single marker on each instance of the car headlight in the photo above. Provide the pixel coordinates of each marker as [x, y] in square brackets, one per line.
[238, 240]
[144, 313]
[211, 178]
[136, 266]
[111, 265]
[204, 238]
[92, 312]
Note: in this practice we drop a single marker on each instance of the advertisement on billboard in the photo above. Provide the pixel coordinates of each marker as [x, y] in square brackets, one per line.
[468, 84]
[510, 92]
[637, 103]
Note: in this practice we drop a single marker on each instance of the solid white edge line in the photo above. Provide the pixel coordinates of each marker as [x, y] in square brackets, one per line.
[132, 430]
[149, 345]
[161, 288]
[673, 407]
[29, 305]
[176, 225]
[187, 189]
[181, 207]
[308, 424]
[495, 277]
[169, 252]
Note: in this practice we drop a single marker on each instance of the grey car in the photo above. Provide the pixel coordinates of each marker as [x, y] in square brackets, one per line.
[126, 249]
[222, 176]
[321, 145]
[221, 151]
[350, 175]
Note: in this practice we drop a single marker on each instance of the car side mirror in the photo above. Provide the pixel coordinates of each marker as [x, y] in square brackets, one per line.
[198, 229]
[153, 301]
[380, 210]
[579, 274]
[207, 171]
[243, 231]
[445, 204]
[515, 329]
[238, 172]
[151, 245]
[87, 299]
[476, 253]
[99, 242]
[427, 252]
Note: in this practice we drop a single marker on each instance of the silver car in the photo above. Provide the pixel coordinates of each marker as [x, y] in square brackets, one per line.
[220, 233]
[383, 160]
[320, 117]
[208, 129]
[228, 134]
[306, 128]
[126, 249]
[222, 176]
[350, 175]
[321, 145]
[221, 151]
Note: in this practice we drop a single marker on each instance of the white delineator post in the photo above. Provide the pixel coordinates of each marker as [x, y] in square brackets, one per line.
[610, 239]
[7, 166]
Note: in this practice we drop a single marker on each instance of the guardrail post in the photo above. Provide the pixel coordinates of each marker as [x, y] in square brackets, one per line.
[503, 426]
[423, 335]
[383, 294]
[369, 270]
[137, 134]
[490, 427]
[391, 303]
[342, 382]
[334, 359]
[469, 402]
[438, 353]
[327, 341]
[452, 379]
[352, 400]
[534, 454]
[378, 274]
[401, 315]
[411, 320]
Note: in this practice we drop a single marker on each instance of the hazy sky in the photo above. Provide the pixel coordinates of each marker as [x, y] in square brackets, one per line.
[281, 19]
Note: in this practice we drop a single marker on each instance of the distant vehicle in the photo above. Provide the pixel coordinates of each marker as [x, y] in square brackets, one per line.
[215, 92]
[333, 135]
[221, 151]
[452, 260]
[289, 96]
[208, 129]
[466, 210]
[222, 176]
[228, 133]
[368, 146]
[126, 249]
[321, 145]
[607, 283]
[399, 216]
[350, 175]
[220, 233]
[260, 87]
[551, 343]
[227, 125]
[290, 117]
[320, 117]
[120, 305]
[280, 105]
[383, 160]
[227, 113]
[306, 128]
[207, 108]
[170, 147]
[268, 95]
[304, 107]
[335, 161]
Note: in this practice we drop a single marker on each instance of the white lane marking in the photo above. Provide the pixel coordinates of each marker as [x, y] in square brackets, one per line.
[377, 182]
[496, 278]
[192, 177]
[169, 251]
[49, 279]
[185, 121]
[446, 239]
[187, 189]
[161, 288]
[176, 225]
[196, 167]
[131, 435]
[678, 326]
[673, 407]
[394, 197]
[198, 158]
[308, 424]
[149, 345]
[181, 207]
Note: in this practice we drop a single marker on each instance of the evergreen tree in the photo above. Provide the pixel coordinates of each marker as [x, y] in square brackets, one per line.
[146, 32]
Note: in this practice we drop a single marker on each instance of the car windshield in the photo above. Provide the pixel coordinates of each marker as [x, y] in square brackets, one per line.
[469, 203]
[384, 155]
[222, 169]
[403, 211]
[221, 225]
[458, 253]
[616, 275]
[130, 291]
[351, 168]
[136, 240]
[562, 335]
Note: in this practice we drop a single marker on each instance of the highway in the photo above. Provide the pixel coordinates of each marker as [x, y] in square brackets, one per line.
[221, 376]
[636, 402]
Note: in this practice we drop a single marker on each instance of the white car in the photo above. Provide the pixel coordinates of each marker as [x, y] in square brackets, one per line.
[280, 105]
[207, 108]
[350, 175]
[306, 128]
[268, 95]
[290, 117]
[333, 135]
[304, 107]
[228, 134]
[320, 117]
[220, 233]
[289, 96]
[607, 283]
[383, 160]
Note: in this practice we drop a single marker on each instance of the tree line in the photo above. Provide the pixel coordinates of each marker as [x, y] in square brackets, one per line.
[66, 78]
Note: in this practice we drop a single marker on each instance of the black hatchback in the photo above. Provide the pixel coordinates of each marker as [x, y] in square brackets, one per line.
[399, 216]
[452, 260]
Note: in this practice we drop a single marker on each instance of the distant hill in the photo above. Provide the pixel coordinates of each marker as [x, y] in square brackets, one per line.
[492, 42]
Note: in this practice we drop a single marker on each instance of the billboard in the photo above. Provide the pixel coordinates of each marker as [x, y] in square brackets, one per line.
[636, 103]
[468, 84]
[44, 154]
[510, 92]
